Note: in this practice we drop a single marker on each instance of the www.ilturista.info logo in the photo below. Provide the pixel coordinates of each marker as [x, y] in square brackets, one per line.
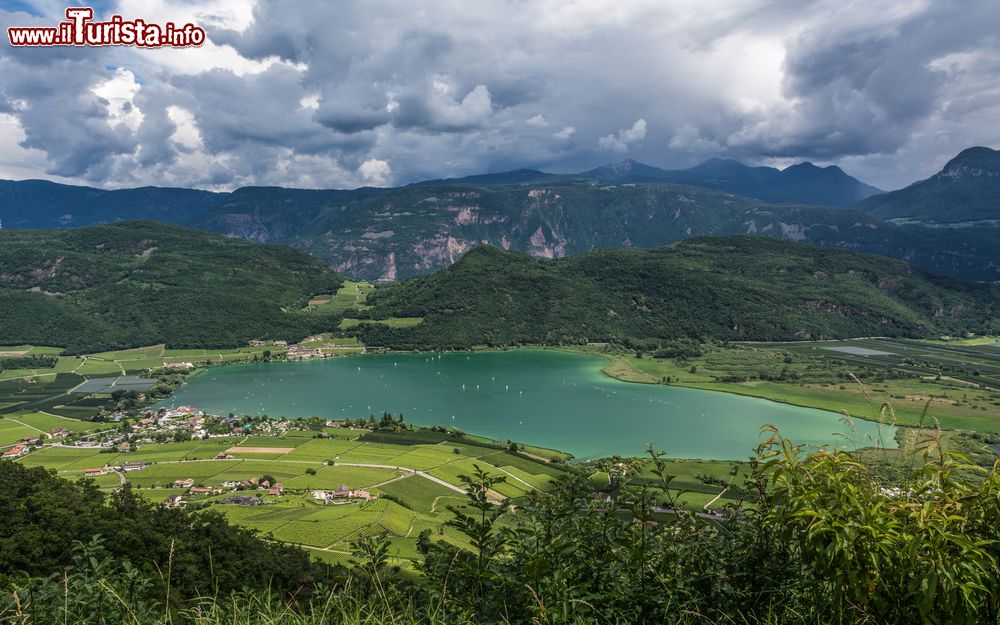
[79, 29]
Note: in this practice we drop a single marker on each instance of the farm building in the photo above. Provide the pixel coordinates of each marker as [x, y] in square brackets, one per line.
[241, 500]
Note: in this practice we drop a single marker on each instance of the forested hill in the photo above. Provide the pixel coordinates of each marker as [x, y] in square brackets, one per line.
[965, 192]
[732, 288]
[142, 283]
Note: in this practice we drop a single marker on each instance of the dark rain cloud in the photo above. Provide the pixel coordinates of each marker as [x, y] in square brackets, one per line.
[323, 94]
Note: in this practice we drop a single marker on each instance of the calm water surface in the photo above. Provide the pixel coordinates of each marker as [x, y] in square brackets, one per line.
[548, 398]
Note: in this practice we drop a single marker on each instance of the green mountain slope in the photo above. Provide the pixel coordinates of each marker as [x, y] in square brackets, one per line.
[742, 287]
[966, 190]
[142, 283]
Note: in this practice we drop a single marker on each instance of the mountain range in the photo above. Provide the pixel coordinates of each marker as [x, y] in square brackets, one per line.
[803, 183]
[946, 224]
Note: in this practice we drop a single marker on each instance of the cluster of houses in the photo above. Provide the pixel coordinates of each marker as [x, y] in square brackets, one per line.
[342, 493]
[260, 343]
[275, 489]
[298, 352]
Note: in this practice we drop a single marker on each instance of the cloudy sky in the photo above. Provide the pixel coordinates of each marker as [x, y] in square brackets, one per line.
[341, 94]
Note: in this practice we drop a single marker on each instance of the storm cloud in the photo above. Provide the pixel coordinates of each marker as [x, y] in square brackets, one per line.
[341, 94]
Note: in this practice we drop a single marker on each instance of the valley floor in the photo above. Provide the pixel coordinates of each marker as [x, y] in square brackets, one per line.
[909, 383]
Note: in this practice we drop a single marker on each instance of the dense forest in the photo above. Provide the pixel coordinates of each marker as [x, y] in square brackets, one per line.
[818, 538]
[142, 283]
[722, 288]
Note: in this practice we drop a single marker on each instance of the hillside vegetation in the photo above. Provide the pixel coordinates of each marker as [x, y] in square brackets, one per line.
[966, 190]
[728, 288]
[143, 283]
[817, 538]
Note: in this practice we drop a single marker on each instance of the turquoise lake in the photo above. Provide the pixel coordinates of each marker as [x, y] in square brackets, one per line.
[542, 397]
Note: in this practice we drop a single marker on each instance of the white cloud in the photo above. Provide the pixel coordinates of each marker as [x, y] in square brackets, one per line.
[376, 172]
[565, 133]
[186, 136]
[624, 138]
[537, 121]
[120, 91]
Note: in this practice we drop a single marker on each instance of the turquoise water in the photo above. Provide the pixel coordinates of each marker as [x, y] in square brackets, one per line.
[548, 398]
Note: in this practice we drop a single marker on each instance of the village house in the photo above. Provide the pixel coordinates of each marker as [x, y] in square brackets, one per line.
[133, 466]
[125, 447]
[281, 343]
[203, 490]
[257, 343]
[241, 500]
[224, 456]
[15, 451]
[60, 432]
[249, 484]
[188, 483]
[174, 501]
[178, 365]
[276, 489]
[93, 472]
[31, 439]
[342, 493]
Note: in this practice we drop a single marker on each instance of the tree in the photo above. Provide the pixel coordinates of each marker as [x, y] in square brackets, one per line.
[481, 526]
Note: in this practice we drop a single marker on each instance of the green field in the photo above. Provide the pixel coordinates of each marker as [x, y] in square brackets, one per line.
[351, 296]
[960, 385]
[392, 322]
[47, 422]
[11, 432]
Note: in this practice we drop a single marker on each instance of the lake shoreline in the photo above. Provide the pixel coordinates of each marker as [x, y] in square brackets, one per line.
[553, 397]
[626, 373]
